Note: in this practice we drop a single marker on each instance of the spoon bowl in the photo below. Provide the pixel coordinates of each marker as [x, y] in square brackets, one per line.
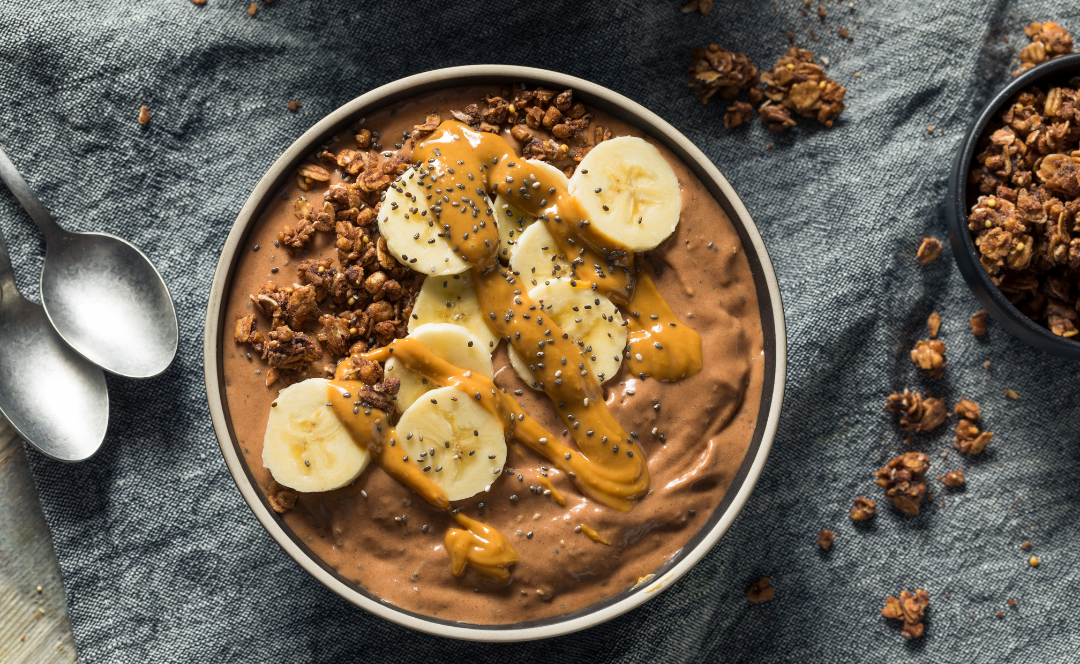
[56, 399]
[108, 302]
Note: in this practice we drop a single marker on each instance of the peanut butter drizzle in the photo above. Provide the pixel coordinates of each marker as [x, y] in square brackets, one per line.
[593, 535]
[476, 545]
[546, 483]
[669, 349]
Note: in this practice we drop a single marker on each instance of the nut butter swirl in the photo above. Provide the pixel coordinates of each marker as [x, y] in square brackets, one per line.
[462, 166]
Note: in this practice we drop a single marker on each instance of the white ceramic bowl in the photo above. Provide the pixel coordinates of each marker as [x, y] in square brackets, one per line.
[771, 311]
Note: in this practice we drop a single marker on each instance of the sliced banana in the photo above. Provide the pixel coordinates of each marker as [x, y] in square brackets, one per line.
[512, 222]
[552, 172]
[454, 440]
[629, 191]
[592, 322]
[452, 299]
[410, 230]
[452, 343]
[537, 256]
[306, 447]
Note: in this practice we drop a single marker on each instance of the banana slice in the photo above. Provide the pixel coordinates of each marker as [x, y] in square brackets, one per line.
[629, 191]
[453, 343]
[512, 222]
[537, 256]
[591, 321]
[552, 172]
[306, 447]
[410, 230]
[452, 299]
[454, 440]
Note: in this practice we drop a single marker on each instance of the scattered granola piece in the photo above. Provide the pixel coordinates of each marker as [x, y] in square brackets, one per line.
[715, 69]
[864, 509]
[916, 413]
[969, 440]
[705, 6]
[738, 113]
[144, 115]
[954, 478]
[825, 538]
[294, 106]
[1011, 602]
[929, 250]
[1025, 544]
[904, 480]
[910, 608]
[978, 323]
[929, 355]
[1012, 395]
[760, 591]
[1048, 40]
[796, 83]
[933, 324]
[282, 499]
[843, 33]
[199, 2]
[1033, 561]
[252, 8]
[968, 409]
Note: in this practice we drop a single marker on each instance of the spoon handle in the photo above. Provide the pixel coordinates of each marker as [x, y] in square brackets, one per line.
[7, 275]
[15, 182]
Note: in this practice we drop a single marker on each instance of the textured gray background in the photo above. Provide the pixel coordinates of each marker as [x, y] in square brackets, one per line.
[163, 561]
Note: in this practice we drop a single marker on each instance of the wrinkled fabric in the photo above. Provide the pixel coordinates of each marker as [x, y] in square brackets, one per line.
[163, 561]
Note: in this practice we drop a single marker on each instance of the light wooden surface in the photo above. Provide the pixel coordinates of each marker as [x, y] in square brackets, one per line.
[34, 626]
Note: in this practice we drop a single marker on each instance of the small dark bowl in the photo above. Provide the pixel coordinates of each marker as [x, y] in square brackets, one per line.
[1055, 72]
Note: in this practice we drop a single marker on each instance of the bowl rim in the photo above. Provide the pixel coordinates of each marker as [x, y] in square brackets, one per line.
[963, 246]
[769, 303]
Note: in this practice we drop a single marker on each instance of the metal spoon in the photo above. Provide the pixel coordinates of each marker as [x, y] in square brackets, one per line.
[55, 398]
[101, 294]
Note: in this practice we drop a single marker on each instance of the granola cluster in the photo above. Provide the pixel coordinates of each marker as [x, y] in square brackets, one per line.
[969, 440]
[911, 607]
[904, 481]
[929, 355]
[917, 413]
[863, 509]
[794, 85]
[1025, 222]
[1048, 40]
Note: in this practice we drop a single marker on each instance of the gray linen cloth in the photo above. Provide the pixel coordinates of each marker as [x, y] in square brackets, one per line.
[162, 560]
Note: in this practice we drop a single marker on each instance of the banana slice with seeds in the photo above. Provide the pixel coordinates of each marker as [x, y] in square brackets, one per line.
[547, 169]
[454, 440]
[537, 256]
[410, 230]
[452, 299]
[512, 222]
[452, 343]
[629, 191]
[306, 447]
[591, 321]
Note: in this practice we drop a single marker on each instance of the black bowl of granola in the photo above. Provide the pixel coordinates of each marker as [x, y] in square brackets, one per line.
[1014, 211]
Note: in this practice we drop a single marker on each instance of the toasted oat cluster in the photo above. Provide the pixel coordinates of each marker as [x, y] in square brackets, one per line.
[715, 69]
[910, 607]
[916, 413]
[904, 481]
[1048, 40]
[338, 308]
[1025, 222]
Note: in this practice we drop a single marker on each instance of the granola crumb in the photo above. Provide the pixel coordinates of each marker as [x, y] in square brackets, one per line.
[864, 509]
[904, 481]
[1000, 614]
[1033, 561]
[760, 591]
[796, 83]
[281, 498]
[929, 355]
[978, 323]
[738, 113]
[933, 324]
[1012, 395]
[968, 409]
[714, 69]
[954, 478]
[929, 250]
[843, 33]
[986, 365]
[199, 2]
[252, 8]
[910, 608]
[825, 538]
[1048, 40]
[144, 115]
[704, 7]
[916, 413]
[1011, 602]
[969, 440]
[1025, 544]
[294, 106]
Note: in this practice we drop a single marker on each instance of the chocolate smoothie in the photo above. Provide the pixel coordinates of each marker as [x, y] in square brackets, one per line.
[695, 432]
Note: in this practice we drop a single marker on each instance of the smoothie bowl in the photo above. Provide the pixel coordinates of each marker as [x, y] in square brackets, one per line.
[494, 353]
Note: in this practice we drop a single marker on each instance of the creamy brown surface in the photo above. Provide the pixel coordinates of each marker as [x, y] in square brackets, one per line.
[707, 420]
